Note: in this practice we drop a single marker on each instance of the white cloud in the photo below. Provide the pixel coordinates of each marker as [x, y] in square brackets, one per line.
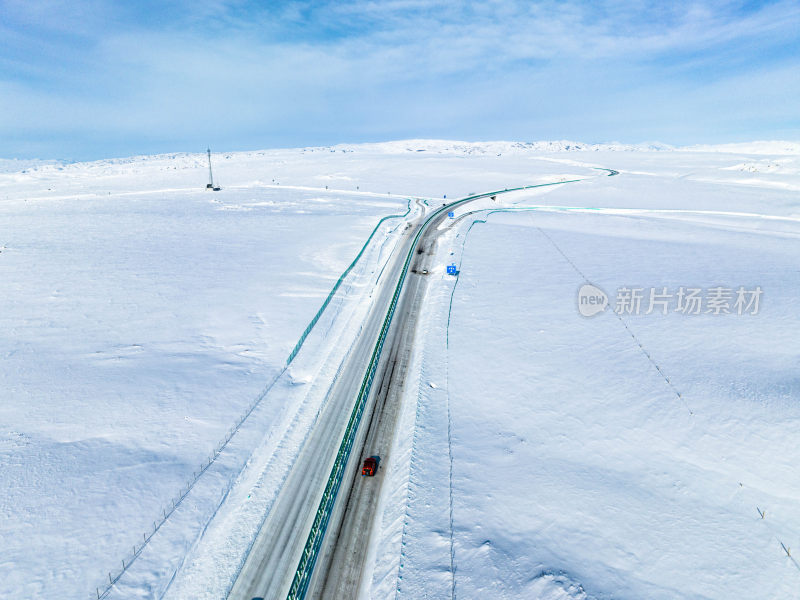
[403, 67]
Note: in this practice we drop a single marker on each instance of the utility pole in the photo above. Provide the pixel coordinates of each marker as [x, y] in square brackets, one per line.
[210, 185]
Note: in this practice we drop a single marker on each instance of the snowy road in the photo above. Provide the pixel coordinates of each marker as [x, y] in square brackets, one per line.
[338, 572]
[270, 565]
[272, 561]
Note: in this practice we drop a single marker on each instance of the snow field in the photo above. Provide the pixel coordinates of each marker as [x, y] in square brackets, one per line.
[577, 470]
[141, 328]
[144, 315]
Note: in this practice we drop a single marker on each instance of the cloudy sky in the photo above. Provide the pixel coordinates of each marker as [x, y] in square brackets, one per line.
[82, 79]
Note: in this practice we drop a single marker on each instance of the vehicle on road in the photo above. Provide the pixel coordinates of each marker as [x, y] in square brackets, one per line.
[370, 466]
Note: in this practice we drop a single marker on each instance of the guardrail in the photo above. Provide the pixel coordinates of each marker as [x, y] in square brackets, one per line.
[308, 559]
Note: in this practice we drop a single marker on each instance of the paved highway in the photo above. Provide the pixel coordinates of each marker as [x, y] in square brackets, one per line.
[270, 566]
[338, 571]
[273, 559]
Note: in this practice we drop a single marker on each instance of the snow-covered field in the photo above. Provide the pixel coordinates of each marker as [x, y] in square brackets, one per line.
[143, 315]
[548, 455]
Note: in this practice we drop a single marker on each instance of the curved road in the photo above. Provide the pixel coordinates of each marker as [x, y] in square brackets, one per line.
[279, 545]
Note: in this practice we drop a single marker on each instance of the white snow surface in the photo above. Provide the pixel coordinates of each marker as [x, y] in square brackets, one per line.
[545, 455]
[762, 147]
[143, 315]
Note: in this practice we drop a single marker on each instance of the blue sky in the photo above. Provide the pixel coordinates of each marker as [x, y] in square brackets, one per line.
[85, 79]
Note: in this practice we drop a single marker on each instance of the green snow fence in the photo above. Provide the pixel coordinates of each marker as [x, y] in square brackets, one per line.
[338, 283]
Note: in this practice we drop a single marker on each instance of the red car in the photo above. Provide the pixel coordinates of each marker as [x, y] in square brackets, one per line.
[370, 466]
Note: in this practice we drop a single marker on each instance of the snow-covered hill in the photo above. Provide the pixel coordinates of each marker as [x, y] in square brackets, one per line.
[182, 160]
[777, 148]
